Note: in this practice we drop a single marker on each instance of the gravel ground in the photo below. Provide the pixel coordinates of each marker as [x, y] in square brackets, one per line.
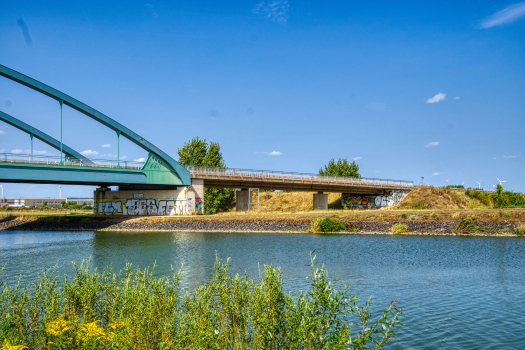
[415, 227]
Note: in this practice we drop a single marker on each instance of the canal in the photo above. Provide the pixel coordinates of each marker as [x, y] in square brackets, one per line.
[456, 292]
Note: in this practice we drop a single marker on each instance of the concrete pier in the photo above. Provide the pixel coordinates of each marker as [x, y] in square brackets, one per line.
[320, 201]
[242, 199]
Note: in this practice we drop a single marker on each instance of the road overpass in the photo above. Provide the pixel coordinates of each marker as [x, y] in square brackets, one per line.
[160, 185]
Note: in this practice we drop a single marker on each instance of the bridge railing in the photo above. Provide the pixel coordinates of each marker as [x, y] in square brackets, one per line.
[55, 160]
[300, 177]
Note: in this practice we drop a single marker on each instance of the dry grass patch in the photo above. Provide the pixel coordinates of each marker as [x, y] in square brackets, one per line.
[399, 228]
[427, 197]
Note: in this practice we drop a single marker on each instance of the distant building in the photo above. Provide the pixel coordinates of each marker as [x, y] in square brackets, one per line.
[38, 202]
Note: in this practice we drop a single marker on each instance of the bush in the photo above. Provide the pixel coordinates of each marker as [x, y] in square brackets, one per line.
[519, 230]
[326, 225]
[9, 208]
[399, 228]
[467, 226]
[135, 310]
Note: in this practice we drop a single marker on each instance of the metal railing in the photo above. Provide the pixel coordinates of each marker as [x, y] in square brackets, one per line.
[55, 161]
[293, 177]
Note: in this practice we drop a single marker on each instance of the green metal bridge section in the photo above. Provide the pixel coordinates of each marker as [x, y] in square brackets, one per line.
[158, 169]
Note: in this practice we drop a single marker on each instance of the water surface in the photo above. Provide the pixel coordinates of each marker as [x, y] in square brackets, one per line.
[456, 292]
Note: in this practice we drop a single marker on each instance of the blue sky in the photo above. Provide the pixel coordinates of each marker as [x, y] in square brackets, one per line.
[407, 89]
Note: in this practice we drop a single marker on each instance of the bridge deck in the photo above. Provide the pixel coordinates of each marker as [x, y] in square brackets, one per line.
[276, 180]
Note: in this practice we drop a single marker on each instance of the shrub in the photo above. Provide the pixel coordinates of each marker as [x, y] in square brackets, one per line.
[9, 208]
[519, 230]
[399, 228]
[404, 215]
[433, 216]
[467, 226]
[326, 225]
[136, 310]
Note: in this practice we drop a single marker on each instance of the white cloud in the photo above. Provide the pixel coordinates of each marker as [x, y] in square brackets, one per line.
[28, 151]
[432, 144]
[140, 160]
[510, 157]
[435, 174]
[437, 98]
[457, 98]
[275, 153]
[89, 153]
[107, 145]
[508, 15]
[2, 132]
[356, 158]
[276, 11]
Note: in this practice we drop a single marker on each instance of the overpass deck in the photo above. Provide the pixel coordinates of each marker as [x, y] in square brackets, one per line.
[278, 180]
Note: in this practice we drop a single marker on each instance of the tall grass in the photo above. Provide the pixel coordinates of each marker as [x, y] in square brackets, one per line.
[135, 310]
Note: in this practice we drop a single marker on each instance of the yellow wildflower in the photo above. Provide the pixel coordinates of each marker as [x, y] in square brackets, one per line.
[58, 326]
[91, 331]
[8, 346]
[117, 325]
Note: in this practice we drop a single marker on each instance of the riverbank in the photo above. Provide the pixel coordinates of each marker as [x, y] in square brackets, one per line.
[496, 223]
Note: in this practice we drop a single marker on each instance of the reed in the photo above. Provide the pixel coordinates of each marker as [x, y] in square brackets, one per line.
[135, 310]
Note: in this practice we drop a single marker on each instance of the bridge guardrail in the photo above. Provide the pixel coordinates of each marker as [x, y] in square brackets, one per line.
[301, 177]
[54, 160]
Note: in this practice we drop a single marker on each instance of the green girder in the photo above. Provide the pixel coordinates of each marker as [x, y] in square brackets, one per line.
[20, 78]
[42, 137]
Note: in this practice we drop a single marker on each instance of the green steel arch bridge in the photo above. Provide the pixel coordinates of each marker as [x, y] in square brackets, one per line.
[72, 167]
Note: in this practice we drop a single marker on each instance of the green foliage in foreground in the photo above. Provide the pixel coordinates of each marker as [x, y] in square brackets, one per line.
[326, 225]
[341, 168]
[135, 310]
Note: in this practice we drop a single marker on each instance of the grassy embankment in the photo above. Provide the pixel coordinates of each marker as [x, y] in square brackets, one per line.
[134, 309]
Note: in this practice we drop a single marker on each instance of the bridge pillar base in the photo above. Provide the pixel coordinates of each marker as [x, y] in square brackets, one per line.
[242, 200]
[320, 201]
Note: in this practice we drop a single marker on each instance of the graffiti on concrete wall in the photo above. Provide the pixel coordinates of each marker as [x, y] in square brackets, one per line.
[357, 201]
[145, 206]
[199, 205]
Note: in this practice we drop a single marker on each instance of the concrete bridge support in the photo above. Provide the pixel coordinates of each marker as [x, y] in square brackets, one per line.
[320, 201]
[242, 199]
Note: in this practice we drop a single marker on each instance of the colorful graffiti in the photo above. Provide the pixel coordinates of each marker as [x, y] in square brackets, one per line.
[146, 206]
[357, 201]
[199, 205]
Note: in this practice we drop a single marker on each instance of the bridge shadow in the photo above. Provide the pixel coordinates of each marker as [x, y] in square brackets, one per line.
[59, 223]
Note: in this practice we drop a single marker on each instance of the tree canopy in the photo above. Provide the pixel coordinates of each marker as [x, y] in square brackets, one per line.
[341, 168]
[198, 152]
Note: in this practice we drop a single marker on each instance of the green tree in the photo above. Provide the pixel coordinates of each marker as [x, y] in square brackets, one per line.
[341, 168]
[198, 152]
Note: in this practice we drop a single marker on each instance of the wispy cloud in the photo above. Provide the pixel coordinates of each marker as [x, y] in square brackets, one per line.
[437, 98]
[275, 153]
[432, 144]
[435, 174]
[89, 153]
[28, 151]
[276, 11]
[356, 158]
[2, 132]
[107, 145]
[140, 160]
[457, 98]
[508, 15]
[508, 157]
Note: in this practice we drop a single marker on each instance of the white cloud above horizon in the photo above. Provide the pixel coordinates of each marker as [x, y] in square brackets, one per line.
[457, 98]
[275, 153]
[140, 160]
[508, 15]
[89, 153]
[435, 174]
[356, 158]
[28, 151]
[509, 157]
[275, 11]
[2, 132]
[432, 144]
[437, 98]
[107, 145]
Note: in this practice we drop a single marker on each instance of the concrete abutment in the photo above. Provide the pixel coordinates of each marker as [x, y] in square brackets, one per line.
[320, 201]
